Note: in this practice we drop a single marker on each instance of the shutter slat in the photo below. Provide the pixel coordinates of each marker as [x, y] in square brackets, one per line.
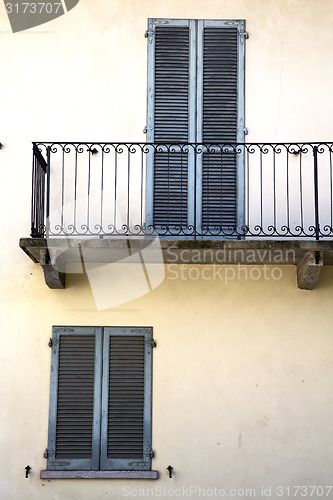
[220, 70]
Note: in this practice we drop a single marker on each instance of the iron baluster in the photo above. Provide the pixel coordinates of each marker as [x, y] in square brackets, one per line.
[316, 201]
[48, 184]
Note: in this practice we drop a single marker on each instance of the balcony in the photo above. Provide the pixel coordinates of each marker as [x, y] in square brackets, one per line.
[105, 196]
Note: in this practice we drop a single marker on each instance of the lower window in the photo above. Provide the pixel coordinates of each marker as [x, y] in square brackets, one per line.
[100, 399]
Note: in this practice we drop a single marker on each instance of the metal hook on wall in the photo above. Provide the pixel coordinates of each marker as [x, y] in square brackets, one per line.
[170, 469]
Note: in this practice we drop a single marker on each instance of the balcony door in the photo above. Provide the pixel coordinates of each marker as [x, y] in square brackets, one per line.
[195, 105]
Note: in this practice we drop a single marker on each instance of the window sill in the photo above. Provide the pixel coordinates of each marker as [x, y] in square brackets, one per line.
[99, 474]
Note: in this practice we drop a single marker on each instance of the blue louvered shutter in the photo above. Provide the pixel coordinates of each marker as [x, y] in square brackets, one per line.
[220, 170]
[74, 424]
[171, 123]
[195, 95]
[126, 399]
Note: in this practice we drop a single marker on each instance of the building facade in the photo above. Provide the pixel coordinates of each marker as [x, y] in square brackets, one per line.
[170, 334]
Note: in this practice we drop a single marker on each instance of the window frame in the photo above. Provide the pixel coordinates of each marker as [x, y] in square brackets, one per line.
[99, 465]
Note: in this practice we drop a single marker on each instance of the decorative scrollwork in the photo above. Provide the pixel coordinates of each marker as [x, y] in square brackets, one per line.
[276, 187]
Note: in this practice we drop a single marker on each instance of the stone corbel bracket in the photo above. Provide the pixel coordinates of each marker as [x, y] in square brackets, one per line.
[53, 278]
[308, 270]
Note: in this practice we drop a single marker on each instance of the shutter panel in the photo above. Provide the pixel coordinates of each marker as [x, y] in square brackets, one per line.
[126, 402]
[75, 396]
[171, 114]
[75, 403]
[220, 117]
[172, 47]
[126, 396]
[172, 52]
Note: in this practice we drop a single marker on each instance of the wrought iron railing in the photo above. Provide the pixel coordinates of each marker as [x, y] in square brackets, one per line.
[109, 190]
[39, 173]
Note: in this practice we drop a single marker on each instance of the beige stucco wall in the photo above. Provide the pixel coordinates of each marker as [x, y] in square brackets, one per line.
[242, 382]
[242, 372]
[82, 77]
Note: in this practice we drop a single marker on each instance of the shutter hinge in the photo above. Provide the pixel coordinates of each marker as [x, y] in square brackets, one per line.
[149, 34]
[53, 342]
[147, 129]
[150, 453]
[244, 34]
[50, 455]
[147, 452]
[244, 130]
[151, 342]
